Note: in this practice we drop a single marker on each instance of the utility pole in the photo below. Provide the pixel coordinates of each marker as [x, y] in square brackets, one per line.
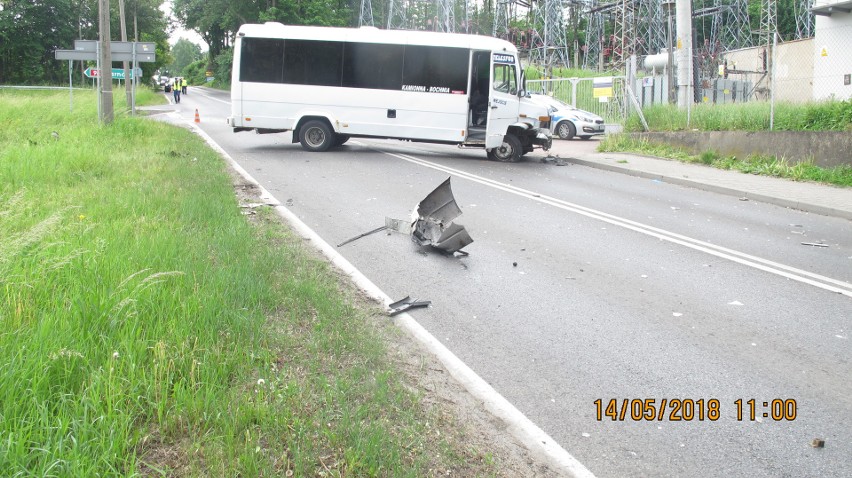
[105, 73]
[127, 84]
[683, 11]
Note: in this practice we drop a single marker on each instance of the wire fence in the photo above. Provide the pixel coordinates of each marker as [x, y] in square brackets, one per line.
[778, 73]
[608, 101]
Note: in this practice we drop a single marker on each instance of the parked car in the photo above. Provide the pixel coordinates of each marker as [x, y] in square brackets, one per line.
[567, 121]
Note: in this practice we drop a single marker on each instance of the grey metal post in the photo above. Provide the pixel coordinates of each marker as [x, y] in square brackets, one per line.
[684, 40]
[772, 82]
[70, 87]
[574, 82]
[97, 80]
[133, 83]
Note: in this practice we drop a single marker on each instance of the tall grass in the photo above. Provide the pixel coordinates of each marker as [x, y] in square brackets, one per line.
[752, 116]
[147, 327]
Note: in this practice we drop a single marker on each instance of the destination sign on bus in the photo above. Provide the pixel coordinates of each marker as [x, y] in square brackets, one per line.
[429, 89]
[502, 58]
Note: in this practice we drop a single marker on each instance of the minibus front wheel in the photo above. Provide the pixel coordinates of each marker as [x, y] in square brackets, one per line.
[508, 152]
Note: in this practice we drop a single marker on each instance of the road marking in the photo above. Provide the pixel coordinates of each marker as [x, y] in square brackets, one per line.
[789, 272]
[198, 91]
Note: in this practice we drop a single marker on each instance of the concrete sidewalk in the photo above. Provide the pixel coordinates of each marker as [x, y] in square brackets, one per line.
[804, 196]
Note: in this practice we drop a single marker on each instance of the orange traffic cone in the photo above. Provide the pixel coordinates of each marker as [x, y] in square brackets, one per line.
[197, 118]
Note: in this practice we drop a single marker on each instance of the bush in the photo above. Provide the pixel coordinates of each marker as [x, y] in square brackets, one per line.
[195, 72]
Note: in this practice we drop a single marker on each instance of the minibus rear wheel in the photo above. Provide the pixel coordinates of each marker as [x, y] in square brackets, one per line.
[316, 136]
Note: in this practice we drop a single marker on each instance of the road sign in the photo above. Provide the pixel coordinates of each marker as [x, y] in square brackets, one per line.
[76, 55]
[120, 51]
[117, 73]
[116, 46]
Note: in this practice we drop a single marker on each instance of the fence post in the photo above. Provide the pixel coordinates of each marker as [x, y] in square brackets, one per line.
[772, 81]
[629, 92]
[574, 82]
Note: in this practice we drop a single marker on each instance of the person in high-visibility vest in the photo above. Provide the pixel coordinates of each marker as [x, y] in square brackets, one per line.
[176, 89]
[183, 85]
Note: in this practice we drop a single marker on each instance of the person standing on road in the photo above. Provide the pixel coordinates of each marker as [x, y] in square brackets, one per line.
[183, 85]
[176, 90]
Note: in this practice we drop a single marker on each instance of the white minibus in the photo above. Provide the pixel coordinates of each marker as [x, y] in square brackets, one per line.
[327, 85]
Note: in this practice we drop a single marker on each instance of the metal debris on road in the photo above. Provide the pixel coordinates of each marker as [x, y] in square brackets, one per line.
[407, 303]
[433, 224]
[555, 160]
[814, 244]
[359, 236]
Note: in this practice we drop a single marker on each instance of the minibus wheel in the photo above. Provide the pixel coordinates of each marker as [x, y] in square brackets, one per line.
[508, 152]
[316, 136]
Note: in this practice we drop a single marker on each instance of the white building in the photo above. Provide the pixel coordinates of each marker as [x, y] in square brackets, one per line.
[832, 49]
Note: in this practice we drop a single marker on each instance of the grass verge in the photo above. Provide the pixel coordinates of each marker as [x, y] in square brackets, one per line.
[754, 164]
[150, 328]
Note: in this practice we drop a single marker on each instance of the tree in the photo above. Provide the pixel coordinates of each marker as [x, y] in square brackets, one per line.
[31, 30]
[217, 21]
[184, 53]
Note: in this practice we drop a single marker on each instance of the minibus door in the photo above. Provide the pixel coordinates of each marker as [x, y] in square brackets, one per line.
[503, 98]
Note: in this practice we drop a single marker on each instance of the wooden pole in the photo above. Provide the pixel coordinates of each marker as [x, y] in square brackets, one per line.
[105, 73]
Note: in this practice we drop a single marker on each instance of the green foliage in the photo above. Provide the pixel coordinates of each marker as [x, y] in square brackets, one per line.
[196, 72]
[222, 70]
[150, 329]
[31, 31]
[217, 21]
[184, 53]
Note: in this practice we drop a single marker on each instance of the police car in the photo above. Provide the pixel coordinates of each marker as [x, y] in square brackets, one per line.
[567, 121]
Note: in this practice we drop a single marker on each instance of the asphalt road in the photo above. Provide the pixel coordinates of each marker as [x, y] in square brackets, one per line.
[586, 285]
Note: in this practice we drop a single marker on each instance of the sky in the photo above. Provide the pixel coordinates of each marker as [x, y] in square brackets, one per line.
[179, 32]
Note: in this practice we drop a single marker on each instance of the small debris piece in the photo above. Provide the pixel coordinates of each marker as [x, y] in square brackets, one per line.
[253, 205]
[818, 443]
[359, 236]
[814, 244]
[514, 264]
[407, 303]
[736, 302]
[401, 226]
[676, 314]
[743, 199]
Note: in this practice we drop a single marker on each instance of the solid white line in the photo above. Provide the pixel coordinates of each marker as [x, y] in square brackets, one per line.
[783, 270]
[197, 91]
[534, 438]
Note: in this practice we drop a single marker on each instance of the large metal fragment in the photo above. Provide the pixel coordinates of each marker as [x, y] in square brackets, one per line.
[433, 224]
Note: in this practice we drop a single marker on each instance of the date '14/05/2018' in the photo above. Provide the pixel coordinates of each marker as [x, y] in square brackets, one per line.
[687, 409]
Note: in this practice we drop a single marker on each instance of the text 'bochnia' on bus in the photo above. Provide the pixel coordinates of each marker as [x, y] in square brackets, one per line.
[327, 85]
